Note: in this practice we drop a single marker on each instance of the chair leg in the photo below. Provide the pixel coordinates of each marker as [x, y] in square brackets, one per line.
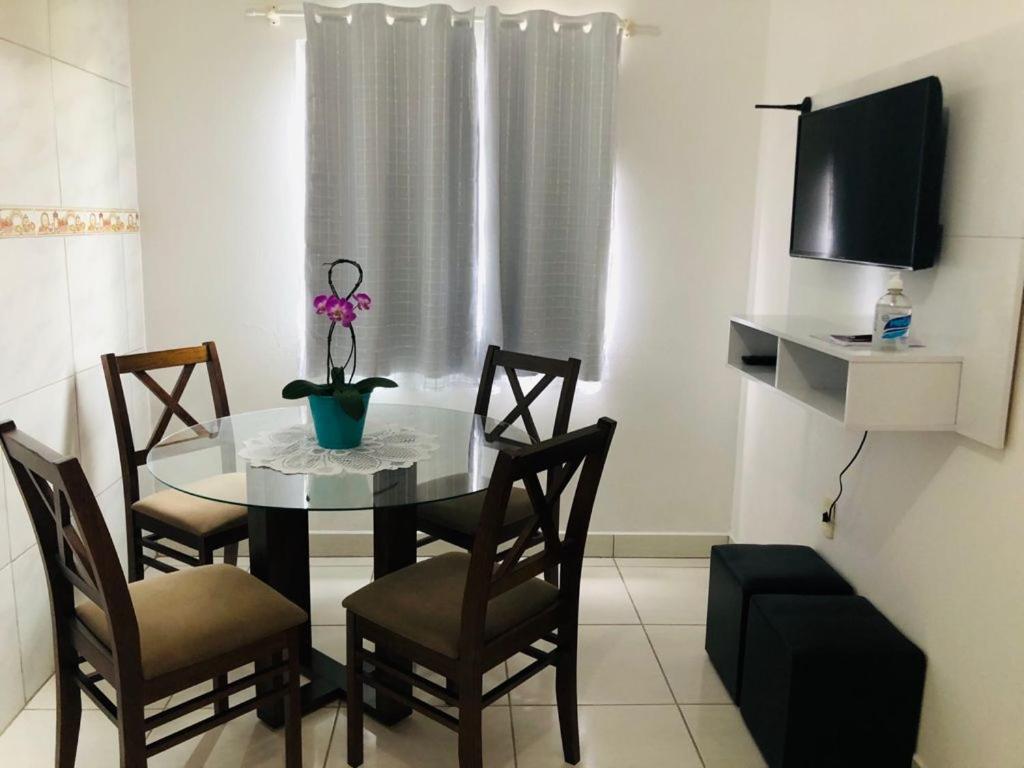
[205, 554]
[354, 693]
[551, 575]
[565, 694]
[231, 554]
[131, 728]
[293, 706]
[69, 718]
[136, 568]
[221, 705]
[471, 747]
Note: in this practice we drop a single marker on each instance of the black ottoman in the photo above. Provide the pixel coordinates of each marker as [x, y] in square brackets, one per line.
[741, 570]
[829, 681]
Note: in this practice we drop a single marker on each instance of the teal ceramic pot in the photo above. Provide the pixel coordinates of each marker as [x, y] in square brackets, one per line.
[335, 428]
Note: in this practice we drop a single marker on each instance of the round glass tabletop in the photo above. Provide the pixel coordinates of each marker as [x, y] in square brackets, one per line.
[204, 461]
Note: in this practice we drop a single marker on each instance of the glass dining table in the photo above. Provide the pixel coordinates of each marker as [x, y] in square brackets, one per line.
[454, 457]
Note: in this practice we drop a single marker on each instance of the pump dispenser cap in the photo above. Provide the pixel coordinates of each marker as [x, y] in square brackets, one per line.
[895, 282]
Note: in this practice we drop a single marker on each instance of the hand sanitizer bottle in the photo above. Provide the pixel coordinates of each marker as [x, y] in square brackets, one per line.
[892, 318]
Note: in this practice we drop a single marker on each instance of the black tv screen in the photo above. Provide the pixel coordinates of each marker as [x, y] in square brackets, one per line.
[869, 177]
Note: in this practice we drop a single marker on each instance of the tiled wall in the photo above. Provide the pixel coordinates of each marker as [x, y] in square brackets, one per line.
[66, 142]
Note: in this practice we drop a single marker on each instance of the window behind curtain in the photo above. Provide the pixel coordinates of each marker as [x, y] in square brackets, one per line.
[553, 82]
[470, 172]
[391, 180]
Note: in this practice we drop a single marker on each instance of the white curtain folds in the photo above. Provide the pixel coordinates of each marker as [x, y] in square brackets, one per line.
[551, 86]
[391, 181]
[468, 168]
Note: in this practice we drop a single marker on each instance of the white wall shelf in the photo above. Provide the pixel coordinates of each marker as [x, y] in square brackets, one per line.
[913, 390]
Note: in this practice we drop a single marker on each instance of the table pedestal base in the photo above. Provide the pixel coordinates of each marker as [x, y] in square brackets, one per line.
[279, 556]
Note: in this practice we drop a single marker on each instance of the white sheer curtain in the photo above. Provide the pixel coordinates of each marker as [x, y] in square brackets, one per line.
[471, 175]
[549, 90]
[391, 180]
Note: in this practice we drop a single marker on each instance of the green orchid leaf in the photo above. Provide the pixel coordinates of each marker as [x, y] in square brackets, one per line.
[338, 375]
[368, 385]
[350, 400]
[301, 388]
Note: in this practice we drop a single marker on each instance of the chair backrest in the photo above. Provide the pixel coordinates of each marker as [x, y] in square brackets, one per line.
[514, 363]
[77, 553]
[139, 365]
[492, 573]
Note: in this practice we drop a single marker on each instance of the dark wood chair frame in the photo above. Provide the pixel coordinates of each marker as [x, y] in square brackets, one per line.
[514, 363]
[146, 532]
[78, 553]
[492, 573]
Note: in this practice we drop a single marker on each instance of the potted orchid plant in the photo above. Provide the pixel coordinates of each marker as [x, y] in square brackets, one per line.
[339, 405]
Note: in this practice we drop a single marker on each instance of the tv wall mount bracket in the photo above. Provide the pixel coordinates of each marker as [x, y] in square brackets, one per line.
[803, 107]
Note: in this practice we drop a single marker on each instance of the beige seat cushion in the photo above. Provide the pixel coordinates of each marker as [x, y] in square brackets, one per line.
[463, 514]
[198, 614]
[199, 516]
[423, 603]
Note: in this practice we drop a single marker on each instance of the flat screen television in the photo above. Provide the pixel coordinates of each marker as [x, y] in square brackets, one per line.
[869, 178]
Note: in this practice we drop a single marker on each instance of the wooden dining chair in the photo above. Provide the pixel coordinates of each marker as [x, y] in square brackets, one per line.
[462, 614]
[153, 638]
[196, 526]
[456, 520]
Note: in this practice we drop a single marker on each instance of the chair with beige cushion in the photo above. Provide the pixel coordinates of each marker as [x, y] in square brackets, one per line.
[149, 639]
[179, 526]
[460, 614]
[455, 521]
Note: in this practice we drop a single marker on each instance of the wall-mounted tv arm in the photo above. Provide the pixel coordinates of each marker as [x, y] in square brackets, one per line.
[803, 107]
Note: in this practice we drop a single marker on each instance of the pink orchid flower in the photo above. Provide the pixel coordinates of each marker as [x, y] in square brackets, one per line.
[340, 311]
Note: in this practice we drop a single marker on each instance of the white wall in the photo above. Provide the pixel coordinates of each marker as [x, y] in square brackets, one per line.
[65, 118]
[217, 173]
[930, 525]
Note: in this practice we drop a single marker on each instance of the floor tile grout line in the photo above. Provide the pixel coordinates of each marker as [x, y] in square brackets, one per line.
[604, 705]
[696, 746]
[597, 706]
[330, 739]
[512, 724]
[661, 667]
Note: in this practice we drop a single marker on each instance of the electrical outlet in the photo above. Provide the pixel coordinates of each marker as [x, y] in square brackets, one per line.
[828, 523]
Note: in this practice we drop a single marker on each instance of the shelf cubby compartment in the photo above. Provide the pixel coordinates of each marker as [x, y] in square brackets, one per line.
[745, 340]
[813, 378]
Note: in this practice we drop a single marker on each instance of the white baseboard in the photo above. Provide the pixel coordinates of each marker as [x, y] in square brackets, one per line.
[360, 544]
[666, 544]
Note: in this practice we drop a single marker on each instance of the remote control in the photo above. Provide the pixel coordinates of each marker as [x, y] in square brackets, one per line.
[759, 360]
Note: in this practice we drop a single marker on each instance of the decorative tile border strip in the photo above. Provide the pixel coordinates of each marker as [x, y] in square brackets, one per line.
[61, 222]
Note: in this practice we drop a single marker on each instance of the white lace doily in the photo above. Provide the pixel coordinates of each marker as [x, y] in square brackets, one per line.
[295, 451]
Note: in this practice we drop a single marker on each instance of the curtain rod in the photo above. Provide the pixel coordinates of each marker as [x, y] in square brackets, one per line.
[274, 15]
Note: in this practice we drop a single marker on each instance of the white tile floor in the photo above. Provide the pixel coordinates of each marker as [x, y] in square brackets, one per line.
[648, 695]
